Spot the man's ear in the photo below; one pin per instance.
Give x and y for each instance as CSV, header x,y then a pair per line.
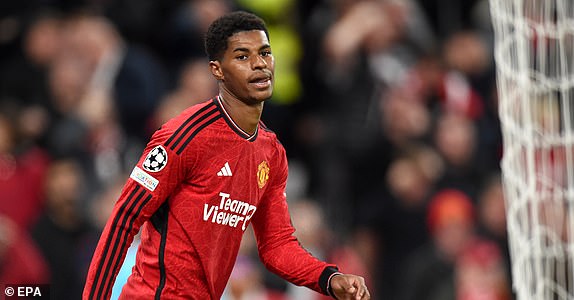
x,y
215,68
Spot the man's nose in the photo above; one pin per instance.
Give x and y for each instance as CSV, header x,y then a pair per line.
x,y
259,62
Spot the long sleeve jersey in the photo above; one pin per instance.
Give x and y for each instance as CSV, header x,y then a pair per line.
x,y
199,183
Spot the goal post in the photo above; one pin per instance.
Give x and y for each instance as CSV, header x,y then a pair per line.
x,y
534,55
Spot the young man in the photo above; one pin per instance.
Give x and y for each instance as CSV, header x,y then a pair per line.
x,y
204,177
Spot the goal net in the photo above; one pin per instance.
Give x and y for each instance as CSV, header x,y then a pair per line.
x,y
534,55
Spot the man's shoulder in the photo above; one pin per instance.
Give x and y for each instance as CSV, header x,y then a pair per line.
x,y
195,112
267,132
179,131
269,137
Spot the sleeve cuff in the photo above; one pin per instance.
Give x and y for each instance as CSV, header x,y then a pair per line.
x,y
325,279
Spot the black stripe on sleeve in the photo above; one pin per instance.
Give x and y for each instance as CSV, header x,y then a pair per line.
x,y
188,129
118,261
116,235
113,228
184,125
195,132
117,238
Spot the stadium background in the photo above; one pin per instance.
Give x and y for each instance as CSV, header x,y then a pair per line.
x,y
387,109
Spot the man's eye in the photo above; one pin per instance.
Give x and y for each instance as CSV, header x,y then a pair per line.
x,y
241,57
266,53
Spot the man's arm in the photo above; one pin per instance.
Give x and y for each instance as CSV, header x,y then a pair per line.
x,y
280,250
282,254
154,177
124,223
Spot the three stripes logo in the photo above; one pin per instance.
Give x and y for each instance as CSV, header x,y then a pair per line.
x,y
225,171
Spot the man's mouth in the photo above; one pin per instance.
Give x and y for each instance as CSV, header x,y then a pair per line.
x,y
261,82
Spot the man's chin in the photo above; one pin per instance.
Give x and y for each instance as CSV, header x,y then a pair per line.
x,y
262,96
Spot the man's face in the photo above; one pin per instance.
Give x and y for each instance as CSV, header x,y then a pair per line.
x,y
246,68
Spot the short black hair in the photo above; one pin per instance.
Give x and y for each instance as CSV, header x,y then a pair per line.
x,y
226,26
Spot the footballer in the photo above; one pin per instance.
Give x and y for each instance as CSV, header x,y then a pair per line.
x,y
204,176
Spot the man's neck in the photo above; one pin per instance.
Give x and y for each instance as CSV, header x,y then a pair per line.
x,y
246,116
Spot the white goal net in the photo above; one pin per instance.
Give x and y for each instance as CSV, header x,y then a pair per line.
x,y
534,54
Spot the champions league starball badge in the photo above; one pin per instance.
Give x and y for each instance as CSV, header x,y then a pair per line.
x,y
155,160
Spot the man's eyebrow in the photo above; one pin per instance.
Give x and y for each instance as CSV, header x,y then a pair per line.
x,y
241,49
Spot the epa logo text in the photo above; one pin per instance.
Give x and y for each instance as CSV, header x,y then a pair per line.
x,y
16,291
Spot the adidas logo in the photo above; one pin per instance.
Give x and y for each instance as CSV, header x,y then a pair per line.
x,y
225,171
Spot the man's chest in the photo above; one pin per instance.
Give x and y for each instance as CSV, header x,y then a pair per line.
x,y
227,184
241,167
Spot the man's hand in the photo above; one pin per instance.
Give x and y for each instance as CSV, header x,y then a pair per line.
x,y
349,287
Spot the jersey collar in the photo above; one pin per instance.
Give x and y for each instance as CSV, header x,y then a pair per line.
x,y
242,133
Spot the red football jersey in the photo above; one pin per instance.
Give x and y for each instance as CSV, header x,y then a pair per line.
x,y
200,182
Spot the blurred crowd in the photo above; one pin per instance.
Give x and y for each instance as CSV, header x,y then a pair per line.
x,y
387,109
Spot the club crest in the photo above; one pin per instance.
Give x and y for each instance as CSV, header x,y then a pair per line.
x,y
262,174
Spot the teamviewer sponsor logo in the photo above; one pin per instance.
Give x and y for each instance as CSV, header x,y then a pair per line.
x,y
229,212
27,291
